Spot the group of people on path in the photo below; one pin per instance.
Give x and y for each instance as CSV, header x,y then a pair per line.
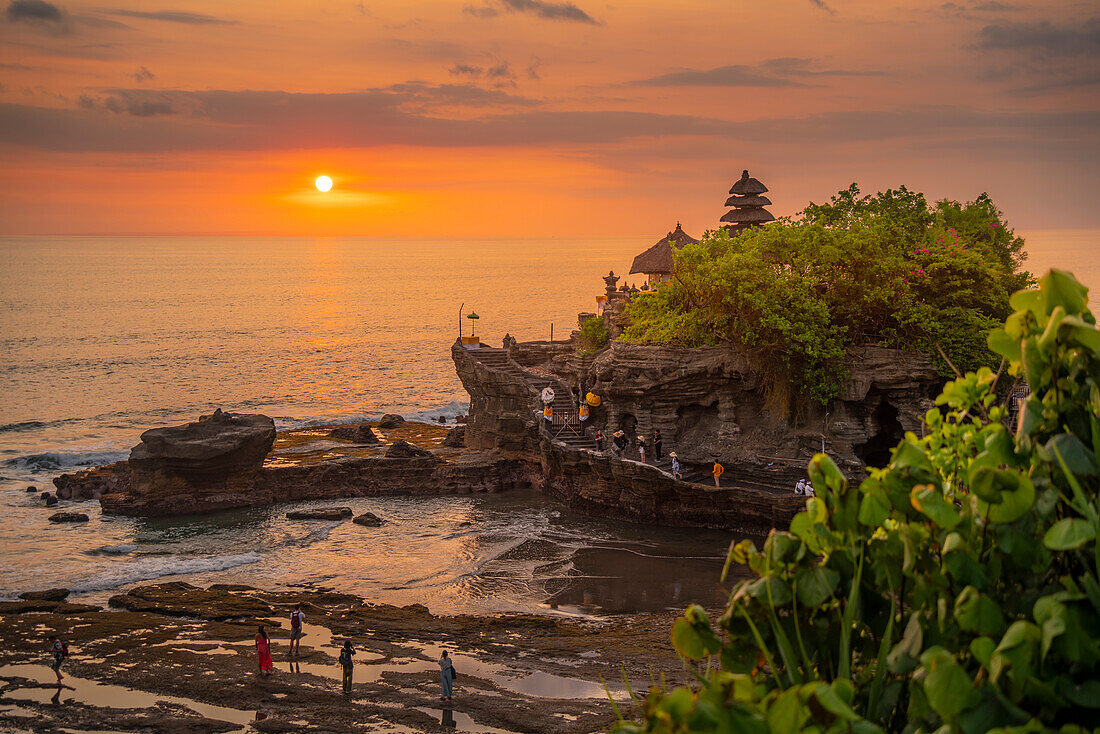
x,y
345,659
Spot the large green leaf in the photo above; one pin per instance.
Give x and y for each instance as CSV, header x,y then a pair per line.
x,y
1079,458
687,641
904,657
1069,533
947,686
1060,288
1005,345
978,613
815,584
1014,490
931,503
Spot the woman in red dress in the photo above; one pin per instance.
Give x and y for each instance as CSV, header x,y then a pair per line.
x,y
263,651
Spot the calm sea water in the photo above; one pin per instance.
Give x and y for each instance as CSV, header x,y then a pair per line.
x,y
103,338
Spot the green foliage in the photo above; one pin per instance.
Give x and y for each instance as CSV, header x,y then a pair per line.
x,y
886,269
594,335
954,590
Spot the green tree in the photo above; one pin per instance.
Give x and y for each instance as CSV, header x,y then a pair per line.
x,y
887,269
955,590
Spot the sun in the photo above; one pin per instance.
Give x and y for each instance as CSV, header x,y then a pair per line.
x,y
323,183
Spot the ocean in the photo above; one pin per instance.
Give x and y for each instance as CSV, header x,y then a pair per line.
x,y
105,337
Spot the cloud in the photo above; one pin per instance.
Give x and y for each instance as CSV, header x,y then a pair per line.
x,y
820,5
171,16
141,121
144,75
781,72
469,70
545,9
38,14
1044,38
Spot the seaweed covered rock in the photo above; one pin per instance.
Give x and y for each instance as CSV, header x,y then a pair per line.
x,y
390,420
180,599
68,517
369,519
405,450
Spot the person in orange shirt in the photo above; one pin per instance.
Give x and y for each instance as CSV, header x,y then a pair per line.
x,y
717,472
548,416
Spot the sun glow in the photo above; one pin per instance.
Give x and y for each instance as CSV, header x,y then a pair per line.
x,y
323,183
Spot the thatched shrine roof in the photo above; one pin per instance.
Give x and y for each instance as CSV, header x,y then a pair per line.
x,y
748,201
748,216
658,259
748,185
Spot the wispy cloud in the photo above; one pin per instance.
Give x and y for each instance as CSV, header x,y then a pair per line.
x,y
821,5
171,16
781,72
545,9
1043,37
38,14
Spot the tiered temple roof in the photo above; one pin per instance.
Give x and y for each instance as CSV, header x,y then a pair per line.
x,y
748,205
656,262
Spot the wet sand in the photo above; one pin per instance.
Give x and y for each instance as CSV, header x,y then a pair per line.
x,y
173,658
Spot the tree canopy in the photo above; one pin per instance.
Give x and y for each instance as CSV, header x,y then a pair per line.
x,y
887,269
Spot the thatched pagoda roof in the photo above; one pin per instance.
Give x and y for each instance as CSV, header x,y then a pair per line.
x,y
748,216
658,259
748,185
748,201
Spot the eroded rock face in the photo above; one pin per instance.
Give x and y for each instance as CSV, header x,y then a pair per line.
x,y
401,449
456,438
90,484
196,467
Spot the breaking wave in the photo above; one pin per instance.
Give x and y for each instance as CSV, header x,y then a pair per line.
x,y
57,460
149,568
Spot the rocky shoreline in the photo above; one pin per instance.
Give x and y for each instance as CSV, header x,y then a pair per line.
x,y
192,648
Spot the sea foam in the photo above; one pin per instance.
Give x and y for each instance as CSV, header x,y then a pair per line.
x,y
149,568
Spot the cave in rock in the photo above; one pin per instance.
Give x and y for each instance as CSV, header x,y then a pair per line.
x,y
888,432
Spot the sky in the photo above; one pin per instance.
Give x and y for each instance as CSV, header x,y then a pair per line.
x,y
507,118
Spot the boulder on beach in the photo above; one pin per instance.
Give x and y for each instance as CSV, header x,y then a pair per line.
x,y
32,488
404,450
369,519
196,467
68,517
456,438
50,499
91,484
45,595
390,420
320,513
358,433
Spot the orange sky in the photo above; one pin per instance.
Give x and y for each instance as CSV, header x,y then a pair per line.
x,y
533,117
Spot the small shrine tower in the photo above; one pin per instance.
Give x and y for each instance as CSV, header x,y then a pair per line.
x,y
748,206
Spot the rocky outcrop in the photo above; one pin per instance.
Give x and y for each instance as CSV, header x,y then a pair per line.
x,y
368,519
456,438
390,420
604,485
196,467
179,599
501,412
90,484
45,595
356,433
320,513
401,449
68,517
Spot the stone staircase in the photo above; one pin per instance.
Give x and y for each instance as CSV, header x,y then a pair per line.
x,y
564,405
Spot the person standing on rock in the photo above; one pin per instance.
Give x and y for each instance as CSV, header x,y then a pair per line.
x,y
717,472
675,464
656,445
296,620
346,662
641,448
446,676
59,651
263,651
620,442
599,440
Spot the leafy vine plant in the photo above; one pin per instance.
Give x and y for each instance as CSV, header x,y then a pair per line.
x,y
954,590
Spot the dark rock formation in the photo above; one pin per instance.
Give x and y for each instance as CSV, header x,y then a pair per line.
x,y
46,595
49,498
368,519
456,438
32,488
90,484
43,605
320,513
390,420
196,467
179,599
404,450
356,433
68,517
